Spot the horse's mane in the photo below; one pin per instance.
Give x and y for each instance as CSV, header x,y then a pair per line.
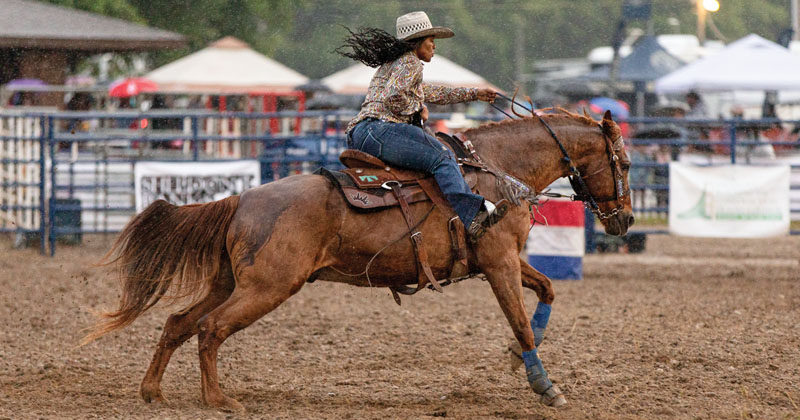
x,y
562,115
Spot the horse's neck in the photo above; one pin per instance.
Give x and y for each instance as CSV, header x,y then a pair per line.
x,y
523,149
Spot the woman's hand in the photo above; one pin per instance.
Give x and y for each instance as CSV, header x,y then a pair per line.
x,y
487,95
423,113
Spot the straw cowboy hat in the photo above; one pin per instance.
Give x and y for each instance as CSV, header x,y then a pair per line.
x,y
417,25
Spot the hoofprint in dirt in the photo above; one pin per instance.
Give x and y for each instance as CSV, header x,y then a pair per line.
x,y
693,328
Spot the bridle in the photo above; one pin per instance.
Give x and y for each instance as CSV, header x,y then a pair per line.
x,y
582,192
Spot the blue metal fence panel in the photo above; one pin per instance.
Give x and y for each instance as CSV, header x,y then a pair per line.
x,y
654,142
88,171
92,171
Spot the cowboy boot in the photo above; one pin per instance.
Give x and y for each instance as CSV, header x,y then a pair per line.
x,y
487,217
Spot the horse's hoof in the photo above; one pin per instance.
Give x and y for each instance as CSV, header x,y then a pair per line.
x,y
553,397
152,395
227,404
515,355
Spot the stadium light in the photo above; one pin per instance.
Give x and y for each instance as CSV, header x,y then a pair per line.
x,y
711,5
703,7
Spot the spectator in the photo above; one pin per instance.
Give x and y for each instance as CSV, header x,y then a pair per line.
x,y
80,101
162,102
697,108
697,111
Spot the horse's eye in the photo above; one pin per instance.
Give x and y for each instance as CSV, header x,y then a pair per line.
x,y
625,166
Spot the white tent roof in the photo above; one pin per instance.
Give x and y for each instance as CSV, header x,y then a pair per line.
x,y
440,71
750,63
226,66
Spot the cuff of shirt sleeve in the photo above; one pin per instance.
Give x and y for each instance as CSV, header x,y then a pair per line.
x,y
473,93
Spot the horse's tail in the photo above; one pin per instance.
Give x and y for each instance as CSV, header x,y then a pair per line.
x,y
166,247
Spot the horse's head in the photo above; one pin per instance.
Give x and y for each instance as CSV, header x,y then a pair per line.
x,y
603,184
523,148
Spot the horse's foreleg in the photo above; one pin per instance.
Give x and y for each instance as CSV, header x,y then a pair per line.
x,y
253,298
538,282
541,284
179,327
507,287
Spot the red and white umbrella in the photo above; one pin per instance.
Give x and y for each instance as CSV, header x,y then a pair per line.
x,y
131,87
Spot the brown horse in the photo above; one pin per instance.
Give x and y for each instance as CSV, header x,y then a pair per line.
x,y
241,257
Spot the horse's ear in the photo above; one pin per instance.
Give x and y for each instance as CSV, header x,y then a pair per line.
x,y
607,122
609,125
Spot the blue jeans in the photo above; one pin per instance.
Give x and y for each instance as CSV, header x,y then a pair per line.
x,y
408,146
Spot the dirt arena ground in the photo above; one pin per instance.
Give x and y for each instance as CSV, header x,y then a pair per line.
x,y
694,329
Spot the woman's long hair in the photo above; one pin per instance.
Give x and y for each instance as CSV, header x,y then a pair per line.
x,y
374,47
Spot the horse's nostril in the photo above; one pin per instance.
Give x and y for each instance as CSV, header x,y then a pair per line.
x,y
631,220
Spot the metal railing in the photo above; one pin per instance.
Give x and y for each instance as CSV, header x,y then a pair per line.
x,y
654,142
66,174
22,192
92,168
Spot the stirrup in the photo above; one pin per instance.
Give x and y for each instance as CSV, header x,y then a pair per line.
x,y
483,220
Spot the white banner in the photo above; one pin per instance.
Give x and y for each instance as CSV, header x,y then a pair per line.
x,y
193,182
728,201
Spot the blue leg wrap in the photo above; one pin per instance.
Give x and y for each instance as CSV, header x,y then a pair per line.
x,y
537,376
539,322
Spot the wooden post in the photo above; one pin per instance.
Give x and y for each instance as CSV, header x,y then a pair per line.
x,y
5,175
19,132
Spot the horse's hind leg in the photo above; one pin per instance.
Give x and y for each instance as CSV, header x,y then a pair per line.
x,y
255,296
181,326
506,283
541,284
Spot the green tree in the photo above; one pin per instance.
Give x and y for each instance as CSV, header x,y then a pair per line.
x,y
302,33
121,9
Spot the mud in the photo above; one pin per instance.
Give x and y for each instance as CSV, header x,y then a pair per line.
x,y
689,329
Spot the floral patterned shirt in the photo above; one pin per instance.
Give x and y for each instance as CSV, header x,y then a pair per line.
x,y
396,92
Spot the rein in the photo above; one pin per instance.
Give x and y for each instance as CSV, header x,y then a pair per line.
x,y
512,100
582,192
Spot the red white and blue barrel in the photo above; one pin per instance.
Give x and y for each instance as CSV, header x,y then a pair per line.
x,y
556,249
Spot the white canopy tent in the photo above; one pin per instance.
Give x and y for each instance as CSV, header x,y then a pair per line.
x,y
440,71
226,66
750,63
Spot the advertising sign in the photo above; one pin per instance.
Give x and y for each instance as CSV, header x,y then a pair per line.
x,y
729,201
193,182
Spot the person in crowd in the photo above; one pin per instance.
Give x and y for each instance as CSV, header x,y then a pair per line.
x,y
697,131
389,125
164,102
697,108
80,101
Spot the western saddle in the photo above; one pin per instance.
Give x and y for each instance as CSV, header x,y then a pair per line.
x,y
369,183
